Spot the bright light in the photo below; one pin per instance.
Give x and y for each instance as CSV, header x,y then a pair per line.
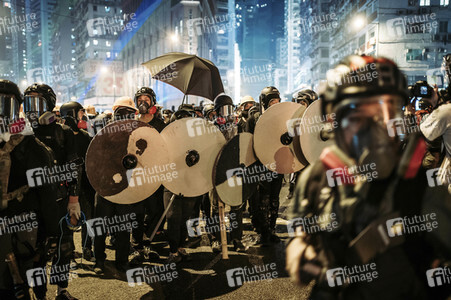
x,y
103,69
174,38
358,22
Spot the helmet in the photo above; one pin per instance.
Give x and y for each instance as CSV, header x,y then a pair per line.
x,y
90,110
10,88
223,105
246,99
9,106
43,90
267,94
71,109
222,100
361,76
307,96
124,102
208,108
147,91
365,94
184,111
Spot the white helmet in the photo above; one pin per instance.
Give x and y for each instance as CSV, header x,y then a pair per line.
x,y
124,101
246,99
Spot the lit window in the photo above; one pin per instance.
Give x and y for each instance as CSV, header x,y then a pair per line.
x,y
87,44
95,42
108,54
444,2
108,43
425,2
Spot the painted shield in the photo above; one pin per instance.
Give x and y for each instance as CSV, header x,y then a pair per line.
x,y
127,161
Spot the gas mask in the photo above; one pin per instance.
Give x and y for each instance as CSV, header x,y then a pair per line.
x,y
366,132
145,108
71,122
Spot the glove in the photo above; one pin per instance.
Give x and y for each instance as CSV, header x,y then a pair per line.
x,y
73,207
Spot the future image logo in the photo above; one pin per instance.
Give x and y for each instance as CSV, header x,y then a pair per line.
x,y
238,276
197,127
411,224
354,274
438,177
152,274
407,25
252,174
438,276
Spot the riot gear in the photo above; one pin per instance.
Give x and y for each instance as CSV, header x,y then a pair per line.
x,y
146,91
267,94
361,76
305,97
70,114
46,92
144,107
124,108
10,100
208,110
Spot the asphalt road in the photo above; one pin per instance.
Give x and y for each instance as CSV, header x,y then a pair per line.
x,y
204,277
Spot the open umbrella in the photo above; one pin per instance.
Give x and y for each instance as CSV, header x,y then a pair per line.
x,y
189,73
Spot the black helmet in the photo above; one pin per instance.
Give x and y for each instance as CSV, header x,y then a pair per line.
x,y
223,106
148,92
362,76
45,91
307,96
267,94
10,88
9,106
71,109
221,101
184,111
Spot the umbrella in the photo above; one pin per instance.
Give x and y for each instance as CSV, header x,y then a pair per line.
x,y
189,73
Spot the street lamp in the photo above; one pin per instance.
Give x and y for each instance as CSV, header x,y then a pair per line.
x,y
359,22
174,38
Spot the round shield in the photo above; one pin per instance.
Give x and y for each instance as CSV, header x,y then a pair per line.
x,y
229,172
274,134
193,145
127,161
314,132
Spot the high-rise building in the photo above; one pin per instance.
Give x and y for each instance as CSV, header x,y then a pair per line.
x,y
172,26
13,30
415,34
98,27
261,27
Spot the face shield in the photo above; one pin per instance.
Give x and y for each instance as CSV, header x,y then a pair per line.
x,y
35,104
226,111
9,111
370,130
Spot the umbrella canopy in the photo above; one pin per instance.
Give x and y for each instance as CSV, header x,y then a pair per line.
x,y
189,73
